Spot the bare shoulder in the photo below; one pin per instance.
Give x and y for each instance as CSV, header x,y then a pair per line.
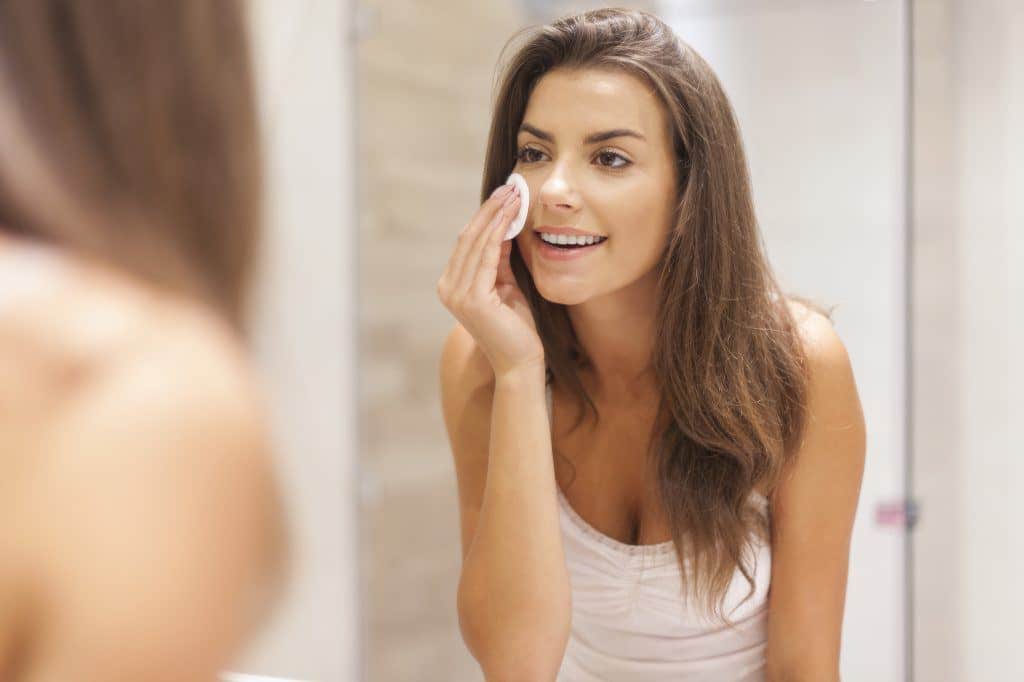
x,y
822,343
146,488
96,343
810,320
833,400
87,322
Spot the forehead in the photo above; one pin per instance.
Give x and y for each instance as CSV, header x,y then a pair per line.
x,y
573,102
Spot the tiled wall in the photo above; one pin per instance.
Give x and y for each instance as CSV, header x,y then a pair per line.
x,y
424,76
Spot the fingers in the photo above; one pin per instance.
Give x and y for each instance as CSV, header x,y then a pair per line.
x,y
453,278
487,249
493,204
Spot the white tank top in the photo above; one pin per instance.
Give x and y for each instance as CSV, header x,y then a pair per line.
x,y
630,622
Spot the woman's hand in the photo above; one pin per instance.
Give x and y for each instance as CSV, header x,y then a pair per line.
x,y
479,289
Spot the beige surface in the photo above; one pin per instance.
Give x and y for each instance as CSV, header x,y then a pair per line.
x,y
937,611
425,84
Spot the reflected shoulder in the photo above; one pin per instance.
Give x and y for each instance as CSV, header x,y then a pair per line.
x,y
141,473
167,493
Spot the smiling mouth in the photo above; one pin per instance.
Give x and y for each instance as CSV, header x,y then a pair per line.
x,y
569,247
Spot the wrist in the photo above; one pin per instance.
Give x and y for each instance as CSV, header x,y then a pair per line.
x,y
529,373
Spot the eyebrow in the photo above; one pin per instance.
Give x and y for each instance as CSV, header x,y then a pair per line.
x,y
593,138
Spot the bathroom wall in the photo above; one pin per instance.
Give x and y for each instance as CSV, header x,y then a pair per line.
x,y
969,327
990,220
424,84
937,546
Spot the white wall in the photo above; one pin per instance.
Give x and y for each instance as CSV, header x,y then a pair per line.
x,y
969,326
990,158
304,332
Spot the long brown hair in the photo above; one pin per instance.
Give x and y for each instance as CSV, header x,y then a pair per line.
x,y
128,135
728,359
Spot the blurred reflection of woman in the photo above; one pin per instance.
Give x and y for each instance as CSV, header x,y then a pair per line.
x,y
726,443
142,530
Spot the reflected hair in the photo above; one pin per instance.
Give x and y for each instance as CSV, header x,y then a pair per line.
x,y
128,136
728,358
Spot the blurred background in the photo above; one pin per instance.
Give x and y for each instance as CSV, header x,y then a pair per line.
x,y
887,177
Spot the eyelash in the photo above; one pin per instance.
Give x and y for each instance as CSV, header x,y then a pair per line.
x,y
524,149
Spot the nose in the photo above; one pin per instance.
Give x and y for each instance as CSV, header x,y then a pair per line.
x,y
556,192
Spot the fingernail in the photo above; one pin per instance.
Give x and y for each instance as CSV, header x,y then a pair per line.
x,y
501,190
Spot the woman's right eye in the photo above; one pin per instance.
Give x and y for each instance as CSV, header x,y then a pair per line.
x,y
523,154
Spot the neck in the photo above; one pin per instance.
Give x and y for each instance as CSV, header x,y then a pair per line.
x,y
617,334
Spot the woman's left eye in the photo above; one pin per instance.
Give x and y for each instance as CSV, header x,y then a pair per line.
x,y
609,155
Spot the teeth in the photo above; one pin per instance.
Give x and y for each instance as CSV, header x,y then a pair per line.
x,y
569,239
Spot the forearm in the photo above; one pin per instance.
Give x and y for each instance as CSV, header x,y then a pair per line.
x,y
514,595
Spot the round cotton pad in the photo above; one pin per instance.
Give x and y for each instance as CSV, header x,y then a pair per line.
x,y
516,226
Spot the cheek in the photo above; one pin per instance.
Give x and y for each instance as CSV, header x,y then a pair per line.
x,y
659,207
642,217
641,239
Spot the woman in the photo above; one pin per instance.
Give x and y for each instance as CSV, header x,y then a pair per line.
x,y
726,448
143,530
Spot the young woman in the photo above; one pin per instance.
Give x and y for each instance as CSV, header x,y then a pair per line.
x,y
697,527
141,526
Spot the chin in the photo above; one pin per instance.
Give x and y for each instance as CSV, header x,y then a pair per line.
x,y
563,295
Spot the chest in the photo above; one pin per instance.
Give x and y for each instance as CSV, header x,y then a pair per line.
x,y
605,472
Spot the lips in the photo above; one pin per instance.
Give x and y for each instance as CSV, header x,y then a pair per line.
x,y
554,253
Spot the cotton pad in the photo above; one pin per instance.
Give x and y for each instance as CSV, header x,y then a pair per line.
x,y
516,226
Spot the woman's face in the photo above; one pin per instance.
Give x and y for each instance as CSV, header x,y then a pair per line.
x,y
596,152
